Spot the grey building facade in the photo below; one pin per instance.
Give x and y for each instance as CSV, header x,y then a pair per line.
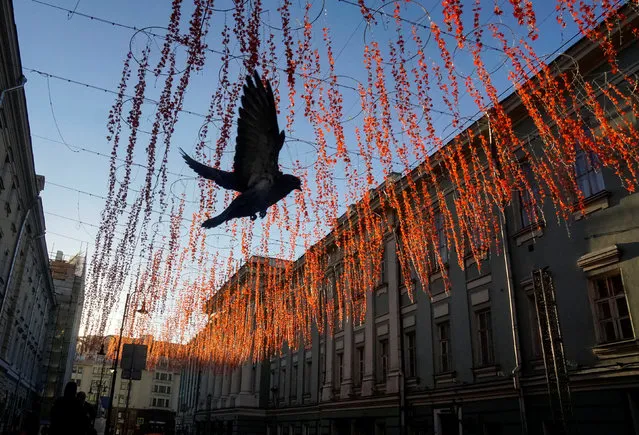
x,y
540,340
27,299
68,278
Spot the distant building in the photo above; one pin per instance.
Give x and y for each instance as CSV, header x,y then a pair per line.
x,y
152,401
68,278
27,297
541,340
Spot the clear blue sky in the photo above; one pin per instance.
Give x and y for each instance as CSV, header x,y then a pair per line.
x,y
87,51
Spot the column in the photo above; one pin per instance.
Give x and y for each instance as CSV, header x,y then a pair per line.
x,y
217,391
327,388
368,380
226,387
394,362
346,389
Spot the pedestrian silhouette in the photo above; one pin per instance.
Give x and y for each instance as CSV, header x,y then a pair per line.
x,y
67,414
89,411
31,423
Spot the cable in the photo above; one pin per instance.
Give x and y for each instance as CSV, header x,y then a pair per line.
x,y
98,88
55,121
98,153
183,219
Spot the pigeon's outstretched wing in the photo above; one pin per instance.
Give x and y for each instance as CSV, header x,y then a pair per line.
x,y
259,139
224,179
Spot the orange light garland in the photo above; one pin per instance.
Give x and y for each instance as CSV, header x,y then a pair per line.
x,y
204,305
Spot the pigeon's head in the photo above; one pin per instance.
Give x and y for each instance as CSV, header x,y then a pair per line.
x,y
291,182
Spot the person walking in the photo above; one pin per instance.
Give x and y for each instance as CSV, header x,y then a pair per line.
x,y
67,415
89,412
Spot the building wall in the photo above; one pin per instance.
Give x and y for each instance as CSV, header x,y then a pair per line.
x,y
494,378
153,385
27,298
68,277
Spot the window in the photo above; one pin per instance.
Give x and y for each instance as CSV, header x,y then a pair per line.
x,y
611,309
322,366
382,267
359,368
273,386
339,368
410,364
307,376
484,336
294,380
444,363
528,214
534,326
282,382
79,383
383,359
588,173
440,229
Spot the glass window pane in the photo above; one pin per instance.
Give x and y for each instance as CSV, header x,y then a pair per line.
x,y
622,307
616,286
609,331
604,310
626,328
601,290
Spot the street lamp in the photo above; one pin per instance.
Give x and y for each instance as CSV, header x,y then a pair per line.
x,y
22,81
142,310
101,353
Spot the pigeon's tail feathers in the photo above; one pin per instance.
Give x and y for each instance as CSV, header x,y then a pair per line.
x,y
224,179
214,222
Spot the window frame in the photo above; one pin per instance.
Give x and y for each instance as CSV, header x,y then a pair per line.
x,y
360,365
410,362
484,357
439,355
589,171
383,358
611,300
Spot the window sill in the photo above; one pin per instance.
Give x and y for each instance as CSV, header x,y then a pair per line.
x,y
412,382
486,371
617,349
446,378
596,202
381,289
528,233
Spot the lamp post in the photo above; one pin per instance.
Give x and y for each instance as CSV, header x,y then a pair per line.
x,y
107,427
102,354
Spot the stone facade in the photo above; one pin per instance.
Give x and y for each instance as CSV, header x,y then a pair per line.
x,y
68,278
541,338
153,400
27,298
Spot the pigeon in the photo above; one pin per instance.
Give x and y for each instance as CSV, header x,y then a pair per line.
x,y
256,174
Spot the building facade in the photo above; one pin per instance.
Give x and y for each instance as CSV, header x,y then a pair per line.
x,y
68,278
541,340
27,298
152,401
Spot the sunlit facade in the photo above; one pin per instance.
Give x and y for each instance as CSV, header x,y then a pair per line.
x,y
537,335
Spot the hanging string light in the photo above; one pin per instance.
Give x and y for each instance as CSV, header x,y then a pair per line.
x,y
226,307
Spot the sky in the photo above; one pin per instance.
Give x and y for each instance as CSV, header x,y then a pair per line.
x,y
62,52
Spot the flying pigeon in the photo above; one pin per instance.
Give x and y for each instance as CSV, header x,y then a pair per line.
x,y
256,174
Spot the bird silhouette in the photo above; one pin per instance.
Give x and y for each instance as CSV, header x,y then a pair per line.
x,y
256,174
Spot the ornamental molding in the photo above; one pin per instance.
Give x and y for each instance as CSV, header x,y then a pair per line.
x,y
600,258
